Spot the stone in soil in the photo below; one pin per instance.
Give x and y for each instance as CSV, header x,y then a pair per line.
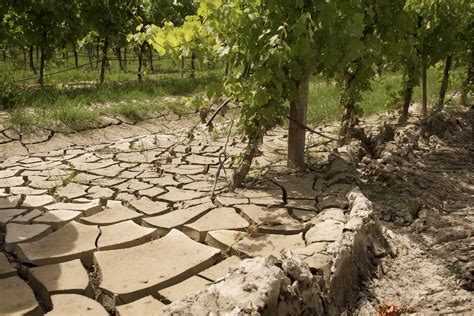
x,y
57,218
74,304
179,291
222,268
328,230
148,306
89,163
244,245
17,298
124,235
263,197
7,215
98,192
27,191
336,214
151,192
298,187
111,171
62,278
307,205
28,217
87,208
157,264
304,215
149,207
134,185
202,160
6,269
167,180
7,173
332,201
177,218
316,257
20,233
133,157
11,182
177,195
72,190
72,241
272,220
185,169
217,219
40,182
9,201
229,199
115,212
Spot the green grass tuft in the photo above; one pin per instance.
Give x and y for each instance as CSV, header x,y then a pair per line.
x,y
132,112
75,118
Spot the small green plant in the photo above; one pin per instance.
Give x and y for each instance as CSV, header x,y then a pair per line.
x,y
52,190
133,112
69,178
75,118
21,120
453,270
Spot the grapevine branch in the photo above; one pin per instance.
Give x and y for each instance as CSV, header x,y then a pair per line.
x,y
217,112
309,129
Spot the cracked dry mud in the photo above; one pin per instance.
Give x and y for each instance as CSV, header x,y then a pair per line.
x,y
120,220
132,211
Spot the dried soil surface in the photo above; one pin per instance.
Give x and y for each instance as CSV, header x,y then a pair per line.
x,y
422,186
104,196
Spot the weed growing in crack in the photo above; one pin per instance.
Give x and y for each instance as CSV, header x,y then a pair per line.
x,y
454,270
69,178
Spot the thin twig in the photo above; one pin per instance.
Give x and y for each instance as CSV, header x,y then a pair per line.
x,y
223,155
309,129
217,112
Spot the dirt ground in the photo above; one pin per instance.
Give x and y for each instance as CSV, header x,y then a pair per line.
x,y
419,178
422,187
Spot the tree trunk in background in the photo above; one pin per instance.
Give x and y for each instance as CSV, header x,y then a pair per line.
x,y
150,58
125,56
182,67
76,58
347,102
97,54
4,53
41,77
119,57
23,50
407,95
37,53
468,83
104,61
64,52
32,64
424,95
89,53
444,82
140,62
193,65
296,132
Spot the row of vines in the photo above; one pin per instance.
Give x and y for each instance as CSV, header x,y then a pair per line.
x,y
272,47
95,28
